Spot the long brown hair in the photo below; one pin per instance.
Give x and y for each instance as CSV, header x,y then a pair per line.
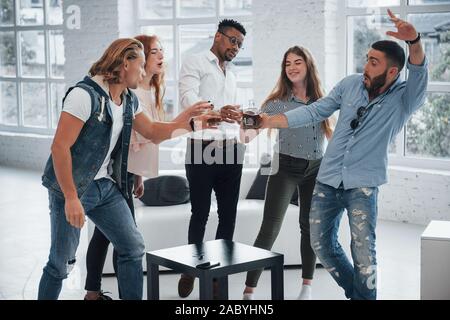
x,y
314,90
157,81
114,56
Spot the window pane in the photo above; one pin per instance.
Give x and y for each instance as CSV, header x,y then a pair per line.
x,y
165,35
57,59
413,2
8,103
243,61
31,12
244,97
57,91
33,53
54,12
362,32
7,54
197,8
169,103
428,131
372,3
6,12
156,9
434,29
34,104
196,38
237,7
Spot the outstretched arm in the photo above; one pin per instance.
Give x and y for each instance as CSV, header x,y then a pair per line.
x,y
157,131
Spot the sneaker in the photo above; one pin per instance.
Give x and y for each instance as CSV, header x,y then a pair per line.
x,y
247,296
101,296
185,285
305,293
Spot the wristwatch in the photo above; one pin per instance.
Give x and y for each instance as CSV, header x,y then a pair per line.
x,y
191,123
410,42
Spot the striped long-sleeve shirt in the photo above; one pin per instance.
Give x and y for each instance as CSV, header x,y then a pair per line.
x,y
303,142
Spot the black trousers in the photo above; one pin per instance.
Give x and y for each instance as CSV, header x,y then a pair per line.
x,y
97,251
223,175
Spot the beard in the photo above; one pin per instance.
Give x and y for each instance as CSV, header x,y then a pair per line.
x,y
227,58
376,83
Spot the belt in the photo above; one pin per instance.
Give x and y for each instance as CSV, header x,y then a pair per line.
x,y
217,143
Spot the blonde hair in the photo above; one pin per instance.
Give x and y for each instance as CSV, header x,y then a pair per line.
x,y
313,86
114,56
157,81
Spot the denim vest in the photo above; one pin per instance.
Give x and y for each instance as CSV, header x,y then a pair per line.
x,y
90,149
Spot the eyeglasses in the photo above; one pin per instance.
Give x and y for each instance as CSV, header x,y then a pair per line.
x,y
359,114
233,40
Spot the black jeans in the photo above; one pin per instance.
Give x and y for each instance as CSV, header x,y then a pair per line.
x,y
224,177
97,251
293,173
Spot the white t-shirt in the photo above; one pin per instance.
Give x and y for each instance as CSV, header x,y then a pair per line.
x,y
78,104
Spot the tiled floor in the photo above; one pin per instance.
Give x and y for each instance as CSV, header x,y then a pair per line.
x,y
25,237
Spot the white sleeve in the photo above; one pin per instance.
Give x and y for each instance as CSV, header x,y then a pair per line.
x,y
189,84
139,108
78,104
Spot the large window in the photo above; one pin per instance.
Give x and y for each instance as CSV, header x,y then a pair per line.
x,y
188,26
31,65
425,140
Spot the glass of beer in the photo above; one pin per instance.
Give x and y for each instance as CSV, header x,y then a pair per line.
x,y
217,118
251,118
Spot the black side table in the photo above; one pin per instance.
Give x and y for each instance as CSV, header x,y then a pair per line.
x,y
234,257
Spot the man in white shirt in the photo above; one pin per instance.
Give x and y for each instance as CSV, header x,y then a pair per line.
x,y
214,157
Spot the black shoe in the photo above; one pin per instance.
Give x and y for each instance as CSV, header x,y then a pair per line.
x,y
216,290
102,296
185,285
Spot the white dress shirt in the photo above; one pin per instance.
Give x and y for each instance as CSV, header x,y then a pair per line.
x,y
201,78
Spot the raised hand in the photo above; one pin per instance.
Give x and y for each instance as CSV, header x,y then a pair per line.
x,y
405,30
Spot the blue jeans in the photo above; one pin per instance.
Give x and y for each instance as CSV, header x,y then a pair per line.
x,y
328,204
106,207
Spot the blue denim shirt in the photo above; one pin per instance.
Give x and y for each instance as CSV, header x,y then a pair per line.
x,y
358,158
91,147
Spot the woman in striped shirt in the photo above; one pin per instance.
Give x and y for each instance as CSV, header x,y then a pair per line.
x,y
297,156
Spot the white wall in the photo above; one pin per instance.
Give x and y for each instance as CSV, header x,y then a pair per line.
x,y
99,26
279,25
416,196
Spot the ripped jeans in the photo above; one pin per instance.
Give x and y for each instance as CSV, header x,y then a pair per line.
x,y
328,204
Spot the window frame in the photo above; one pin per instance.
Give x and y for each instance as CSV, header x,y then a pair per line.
x,y
399,158
176,22
19,79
